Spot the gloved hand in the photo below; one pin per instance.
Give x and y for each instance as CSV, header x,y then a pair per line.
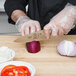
x,y
62,23
25,25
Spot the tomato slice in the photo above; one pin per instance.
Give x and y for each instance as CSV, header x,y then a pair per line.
x,y
19,71
16,71
27,72
8,66
8,72
12,70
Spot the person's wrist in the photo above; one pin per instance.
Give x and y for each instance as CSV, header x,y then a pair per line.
x,y
21,20
73,13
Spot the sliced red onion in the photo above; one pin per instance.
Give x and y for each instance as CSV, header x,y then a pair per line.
x,y
33,47
67,48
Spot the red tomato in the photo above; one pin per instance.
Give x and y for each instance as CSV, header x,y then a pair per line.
x,y
8,66
19,71
27,72
8,72
12,70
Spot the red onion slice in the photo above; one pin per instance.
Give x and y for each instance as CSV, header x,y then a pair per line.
x,y
67,48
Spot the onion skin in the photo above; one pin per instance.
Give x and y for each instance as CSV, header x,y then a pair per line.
x,y
67,48
33,47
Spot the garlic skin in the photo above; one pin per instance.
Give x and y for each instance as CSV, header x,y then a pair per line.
x,y
67,48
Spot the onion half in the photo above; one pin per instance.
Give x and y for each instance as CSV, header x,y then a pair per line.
x,y
67,48
33,47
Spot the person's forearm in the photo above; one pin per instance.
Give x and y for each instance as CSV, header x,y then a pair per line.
x,y
16,14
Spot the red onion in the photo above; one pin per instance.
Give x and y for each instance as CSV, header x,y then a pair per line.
x,y
33,47
67,48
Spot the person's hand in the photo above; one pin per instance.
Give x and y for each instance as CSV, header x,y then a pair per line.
x,y
25,25
62,23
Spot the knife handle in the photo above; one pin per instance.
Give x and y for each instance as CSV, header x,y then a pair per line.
x,y
39,35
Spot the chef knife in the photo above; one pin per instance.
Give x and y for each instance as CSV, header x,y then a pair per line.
x,y
37,36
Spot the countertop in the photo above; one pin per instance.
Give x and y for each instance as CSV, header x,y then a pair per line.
x,y
48,62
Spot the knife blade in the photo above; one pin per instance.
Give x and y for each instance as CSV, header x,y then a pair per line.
x,y
37,36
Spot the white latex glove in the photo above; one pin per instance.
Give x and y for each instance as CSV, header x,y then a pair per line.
x,y
62,23
25,25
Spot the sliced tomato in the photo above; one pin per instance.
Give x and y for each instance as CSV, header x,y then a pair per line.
x,y
16,71
8,72
27,72
12,70
8,66
19,71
